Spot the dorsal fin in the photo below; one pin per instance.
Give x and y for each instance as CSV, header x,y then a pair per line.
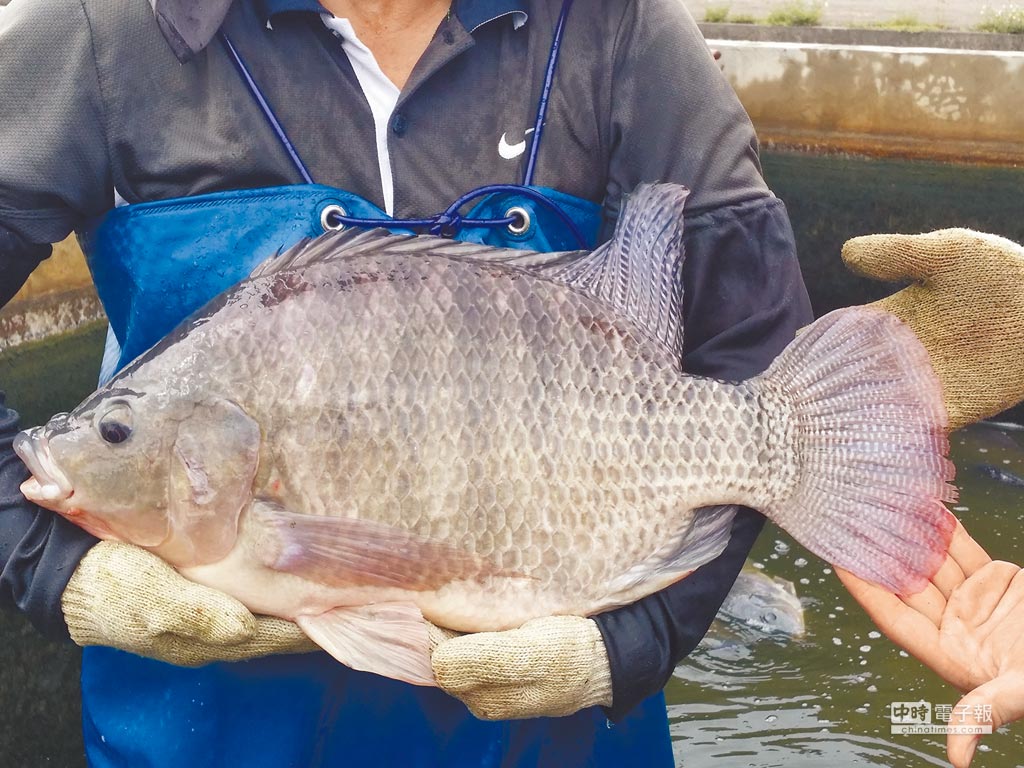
x,y
345,244
639,272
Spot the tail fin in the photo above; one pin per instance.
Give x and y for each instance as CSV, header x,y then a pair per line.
x,y
868,427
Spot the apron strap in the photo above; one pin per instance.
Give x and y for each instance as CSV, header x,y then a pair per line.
x,y
268,111
545,94
449,222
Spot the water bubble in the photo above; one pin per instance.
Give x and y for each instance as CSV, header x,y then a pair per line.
x,y
983,450
771,719
961,509
861,710
840,608
759,566
984,748
805,581
904,654
781,547
865,648
831,615
863,662
874,635
826,571
800,562
836,641
773,556
872,688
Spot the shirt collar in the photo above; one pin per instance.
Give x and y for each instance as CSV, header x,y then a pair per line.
x,y
472,13
268,9
475,13
190,25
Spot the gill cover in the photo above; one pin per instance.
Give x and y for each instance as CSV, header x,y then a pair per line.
x,y
212,465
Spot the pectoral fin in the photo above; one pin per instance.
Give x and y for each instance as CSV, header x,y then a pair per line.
x,y
387,639
345,551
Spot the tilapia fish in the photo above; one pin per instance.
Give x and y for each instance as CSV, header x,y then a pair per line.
x,y
373,429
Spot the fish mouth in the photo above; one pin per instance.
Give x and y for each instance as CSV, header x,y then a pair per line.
x,y
48,486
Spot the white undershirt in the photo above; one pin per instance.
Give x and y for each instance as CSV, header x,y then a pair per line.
x,y
380,92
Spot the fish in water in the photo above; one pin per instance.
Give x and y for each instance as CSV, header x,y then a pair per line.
x,y
372,429
1000,475
768,604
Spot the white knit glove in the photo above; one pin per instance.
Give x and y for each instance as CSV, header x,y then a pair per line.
x,y
549,667
124,597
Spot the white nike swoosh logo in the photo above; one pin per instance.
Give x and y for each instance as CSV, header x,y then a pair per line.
x,y
512,151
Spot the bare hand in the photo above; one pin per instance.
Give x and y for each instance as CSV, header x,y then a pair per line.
x,y
967,626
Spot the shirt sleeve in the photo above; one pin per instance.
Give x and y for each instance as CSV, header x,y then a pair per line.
x,y
675,118
39,550
54,169
54,173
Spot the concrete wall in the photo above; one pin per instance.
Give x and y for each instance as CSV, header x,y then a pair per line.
x,y
57,298
921,103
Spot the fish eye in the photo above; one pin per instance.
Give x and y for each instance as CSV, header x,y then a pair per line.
x,y
115,425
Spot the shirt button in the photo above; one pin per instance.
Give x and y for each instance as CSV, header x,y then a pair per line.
x,y
399,124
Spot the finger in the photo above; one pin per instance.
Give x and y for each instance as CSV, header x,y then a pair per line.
x,y
929,602
967,553
948,577
205,615
901,623
974,601
918,257
438,635
1012,598
995,703
892,257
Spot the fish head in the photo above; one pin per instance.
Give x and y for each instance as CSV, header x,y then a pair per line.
x,y
167,473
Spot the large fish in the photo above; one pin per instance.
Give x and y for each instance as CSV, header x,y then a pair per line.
x,y
374,429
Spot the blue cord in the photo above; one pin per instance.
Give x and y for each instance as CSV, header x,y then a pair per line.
x,y
268,111
449,222
545,95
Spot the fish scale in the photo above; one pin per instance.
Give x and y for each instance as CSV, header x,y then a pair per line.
x,y
372,430
392,468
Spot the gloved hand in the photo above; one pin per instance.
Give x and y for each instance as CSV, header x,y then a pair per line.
x,y
966,306
548,667
124,597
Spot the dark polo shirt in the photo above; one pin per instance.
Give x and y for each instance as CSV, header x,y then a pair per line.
x,y
96,95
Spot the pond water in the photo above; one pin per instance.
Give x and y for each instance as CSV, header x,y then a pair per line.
x,y
820,700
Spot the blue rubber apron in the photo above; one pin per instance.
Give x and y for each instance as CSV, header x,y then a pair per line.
x,y
155,263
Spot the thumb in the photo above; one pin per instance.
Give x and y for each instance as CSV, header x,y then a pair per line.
x,y
906,257
995,703
200,613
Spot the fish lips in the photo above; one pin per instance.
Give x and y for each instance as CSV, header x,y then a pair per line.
x,y
48,486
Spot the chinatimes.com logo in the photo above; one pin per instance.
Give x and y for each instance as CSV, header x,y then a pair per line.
x,y
920,717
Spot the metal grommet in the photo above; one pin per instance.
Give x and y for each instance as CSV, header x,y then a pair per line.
x,y
329,220
523,225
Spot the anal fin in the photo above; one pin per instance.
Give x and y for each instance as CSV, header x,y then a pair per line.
x,y
388,639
